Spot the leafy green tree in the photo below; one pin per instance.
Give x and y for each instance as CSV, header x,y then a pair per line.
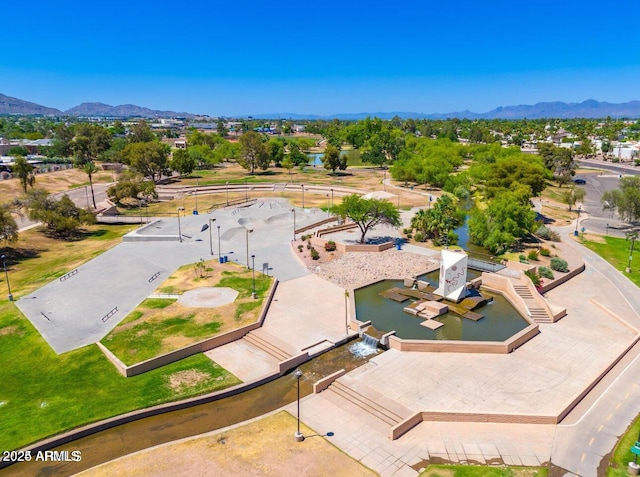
x,y
182,162
254,152
90,169
8,226
559,161
89,142
295,155
507,218
438,222
141,132
148,158
275,149
572,195
131,188
62,141
373,152
24,171
61,217
114,153
332,159
18,151
368,213
288,165
507,173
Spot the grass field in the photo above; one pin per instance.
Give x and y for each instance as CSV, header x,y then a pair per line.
x,y
616,251
44,393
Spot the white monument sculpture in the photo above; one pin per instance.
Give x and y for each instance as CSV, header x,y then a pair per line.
x,y
453,275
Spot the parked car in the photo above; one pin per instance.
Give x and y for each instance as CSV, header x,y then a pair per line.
x,y
579,181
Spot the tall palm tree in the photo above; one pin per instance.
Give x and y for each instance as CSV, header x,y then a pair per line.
x,y
90,168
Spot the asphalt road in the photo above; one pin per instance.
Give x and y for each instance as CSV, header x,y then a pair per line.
x,y
593,218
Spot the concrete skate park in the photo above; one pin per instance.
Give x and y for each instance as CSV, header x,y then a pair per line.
x,y
562,397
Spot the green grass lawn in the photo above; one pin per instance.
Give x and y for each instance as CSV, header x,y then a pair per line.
x,y
622,453
437,470
616,251
45,394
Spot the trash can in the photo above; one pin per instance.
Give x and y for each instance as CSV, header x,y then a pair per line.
x,y
225,258
195,212
575,232
398,245
220,260
633,468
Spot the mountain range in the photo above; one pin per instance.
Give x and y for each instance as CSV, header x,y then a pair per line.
x,y
556,109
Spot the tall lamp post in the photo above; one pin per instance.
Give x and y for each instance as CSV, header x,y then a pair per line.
x,y
6,275
218,240
302,186
210,238
577,221
246,191
632,236
332,198
294,223
253,275
247,232
179,226
328,207
298,436
227,193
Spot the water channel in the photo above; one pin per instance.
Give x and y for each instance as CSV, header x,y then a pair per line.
x,y
134,436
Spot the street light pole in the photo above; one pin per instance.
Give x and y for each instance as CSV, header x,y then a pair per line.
x,y
632,236
218,240
607,230
328,207
6,275
246,191
302,186
210,238
294,223
196,209
227,193
577,220
298,436
179,226
332,198
253,275
248,231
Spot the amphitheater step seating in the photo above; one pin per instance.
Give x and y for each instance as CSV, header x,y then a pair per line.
x,y
269,345
369,400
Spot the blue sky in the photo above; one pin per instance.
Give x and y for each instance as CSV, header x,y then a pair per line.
x,y
239,58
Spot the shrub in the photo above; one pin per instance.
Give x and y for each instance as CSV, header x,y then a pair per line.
x,y
534,277
407,231
300,247
420,237
523,259
532,255
547,234
545,272
315,255
559,265
409,235
543,232
330,246
308,245
545,252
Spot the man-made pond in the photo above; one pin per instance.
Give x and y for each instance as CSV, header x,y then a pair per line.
x,y
500,320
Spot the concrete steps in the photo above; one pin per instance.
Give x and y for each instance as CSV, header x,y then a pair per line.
x,y
372,402
268,345
536,312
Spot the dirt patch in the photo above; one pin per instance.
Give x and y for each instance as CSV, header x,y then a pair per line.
x,y
10,330
593,238
264,447
187,379
175,342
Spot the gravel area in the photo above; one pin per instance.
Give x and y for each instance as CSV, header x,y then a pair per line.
x,y
354,269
